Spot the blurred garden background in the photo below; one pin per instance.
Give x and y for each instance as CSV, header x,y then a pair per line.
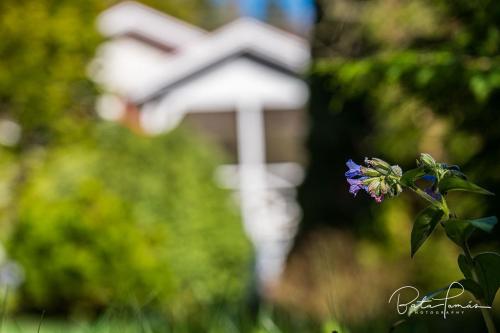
x,y
107,229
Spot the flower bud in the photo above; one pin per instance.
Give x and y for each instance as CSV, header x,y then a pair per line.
x,y
396,170
426,160
374,187
384,187
380,165
369,172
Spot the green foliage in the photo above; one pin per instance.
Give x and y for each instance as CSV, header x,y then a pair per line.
x,y
481,272
444,178
391,79
101,216
473,287
460,231
411,176
193,11
424,225
45,50
487,268
396,91
215,320
486,223
122,219
454,183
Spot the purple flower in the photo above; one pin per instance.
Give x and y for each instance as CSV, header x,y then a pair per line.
x,y
432,193
356,185
430,190
430,178
378,178
354,169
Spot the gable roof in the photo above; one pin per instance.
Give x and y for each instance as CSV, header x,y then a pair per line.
x,y
244,37
130,18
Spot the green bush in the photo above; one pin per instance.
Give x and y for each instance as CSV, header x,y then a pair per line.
x,y
44,86
128,220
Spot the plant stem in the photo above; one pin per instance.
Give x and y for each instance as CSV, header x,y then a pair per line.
x,y
424,195
488,319
441,203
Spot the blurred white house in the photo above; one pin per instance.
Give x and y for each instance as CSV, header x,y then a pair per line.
x,y
240,85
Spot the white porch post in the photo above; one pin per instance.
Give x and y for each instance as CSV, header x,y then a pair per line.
x,y
253,187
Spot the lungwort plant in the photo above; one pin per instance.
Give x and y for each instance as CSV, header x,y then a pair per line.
x,y
381,180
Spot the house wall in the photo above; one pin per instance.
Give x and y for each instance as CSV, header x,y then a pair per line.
x,y
218,127
285,133
284,130
126,63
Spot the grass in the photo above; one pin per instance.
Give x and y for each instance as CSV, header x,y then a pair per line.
x,y
32,325
264,324
220,322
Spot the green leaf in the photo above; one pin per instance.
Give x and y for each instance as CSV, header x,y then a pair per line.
x,y
487,268
433,294
465,266
457,173
485,223
410,176
424,224
472,287
455,183
459,231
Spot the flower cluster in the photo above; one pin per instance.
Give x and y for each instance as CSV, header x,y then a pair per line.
x,y
378,178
